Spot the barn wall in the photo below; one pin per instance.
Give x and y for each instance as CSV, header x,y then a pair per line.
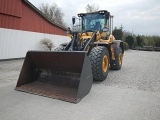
x,y
15,43
22,27
26,18
11,7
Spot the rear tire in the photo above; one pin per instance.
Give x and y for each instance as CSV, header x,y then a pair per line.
x,y
99,58
117,63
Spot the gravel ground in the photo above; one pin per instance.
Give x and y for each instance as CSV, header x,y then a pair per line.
x,y
9,71
132,93
140,71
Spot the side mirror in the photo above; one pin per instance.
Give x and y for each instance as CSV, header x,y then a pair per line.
x,y
73,20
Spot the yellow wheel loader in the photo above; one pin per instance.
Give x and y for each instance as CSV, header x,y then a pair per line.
x,y
67,72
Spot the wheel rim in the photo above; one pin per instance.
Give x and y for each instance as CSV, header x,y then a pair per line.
x,y
105,63
120,58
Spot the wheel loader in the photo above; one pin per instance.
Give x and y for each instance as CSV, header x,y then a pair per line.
x,y
67,73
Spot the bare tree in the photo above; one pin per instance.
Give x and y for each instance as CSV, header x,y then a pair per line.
x,y
53,12
47,43
92,8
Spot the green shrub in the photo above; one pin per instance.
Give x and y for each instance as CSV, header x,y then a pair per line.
x,y
125,45
130,41
157,41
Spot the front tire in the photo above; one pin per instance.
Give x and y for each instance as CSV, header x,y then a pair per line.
x,y
99,58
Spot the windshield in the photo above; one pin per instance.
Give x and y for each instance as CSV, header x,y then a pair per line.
x,y
93,22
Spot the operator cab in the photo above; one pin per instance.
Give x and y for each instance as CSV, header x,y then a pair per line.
x,y
95,21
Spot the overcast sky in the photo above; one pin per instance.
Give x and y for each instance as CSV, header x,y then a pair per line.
x,y
137,16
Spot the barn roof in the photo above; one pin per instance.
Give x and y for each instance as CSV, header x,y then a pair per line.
x,y
42,14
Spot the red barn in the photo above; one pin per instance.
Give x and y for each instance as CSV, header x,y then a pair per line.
x,y
23,26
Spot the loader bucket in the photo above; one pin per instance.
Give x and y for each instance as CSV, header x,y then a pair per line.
x,y
60,75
